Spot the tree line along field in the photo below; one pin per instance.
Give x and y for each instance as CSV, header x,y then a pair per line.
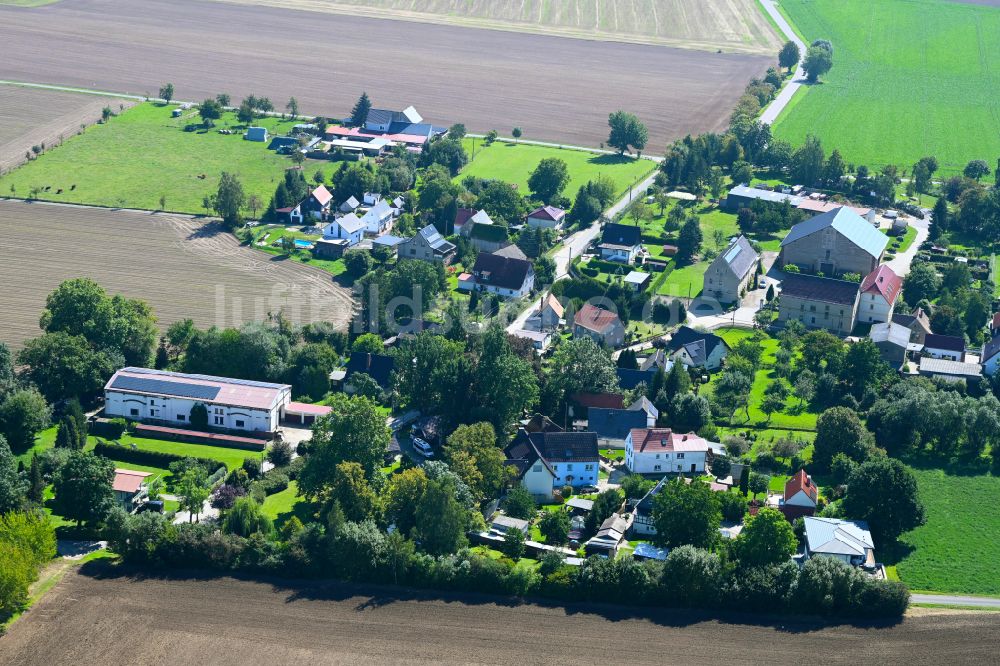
x,y
730,25
514,162
35,116
182,267
556,89
145,153
910,78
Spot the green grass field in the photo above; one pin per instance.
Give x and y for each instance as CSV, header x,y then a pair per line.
x,y
910,78
957,550
145,153
513,163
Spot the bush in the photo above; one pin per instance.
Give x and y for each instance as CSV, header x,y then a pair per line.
x,y
252,467
116,451
567,491
280,454
272,482
519,503
115,427
733,506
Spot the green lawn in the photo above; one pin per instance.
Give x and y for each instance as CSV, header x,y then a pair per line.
x,y
271,234
957,550
907,240
686,282
513,163
910,78
231,458
145,153
279,507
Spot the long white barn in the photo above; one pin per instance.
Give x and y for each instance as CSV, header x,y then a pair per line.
x,y
143,394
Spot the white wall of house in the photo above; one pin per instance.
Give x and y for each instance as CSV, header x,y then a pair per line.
x,y
874,308
524,290
618,254
538,480
663,462
168,409
934,352
542,223
713,362
800,499
334,231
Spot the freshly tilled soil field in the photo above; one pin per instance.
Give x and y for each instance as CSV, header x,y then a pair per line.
x,y
183,267
112,618
555,88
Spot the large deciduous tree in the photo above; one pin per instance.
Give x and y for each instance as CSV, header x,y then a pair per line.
x,y
818,61
354,431
839,430
83,489
686,514
788,56
549,179
627,132
883,492
766,539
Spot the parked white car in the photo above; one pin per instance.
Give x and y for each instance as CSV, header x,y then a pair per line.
x,y
422,447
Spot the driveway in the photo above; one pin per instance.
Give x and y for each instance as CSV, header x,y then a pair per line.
x,y
901,263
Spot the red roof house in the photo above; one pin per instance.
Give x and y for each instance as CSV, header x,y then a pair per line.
x,y
801,495
603,326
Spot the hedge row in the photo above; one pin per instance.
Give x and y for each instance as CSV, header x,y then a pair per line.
x,y
161,459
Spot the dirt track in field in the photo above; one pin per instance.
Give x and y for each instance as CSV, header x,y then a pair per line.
x,y
555,88
34,116
125,620
181,266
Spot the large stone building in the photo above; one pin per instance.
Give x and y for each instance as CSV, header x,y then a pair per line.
x,y
819,302
729,276
833,244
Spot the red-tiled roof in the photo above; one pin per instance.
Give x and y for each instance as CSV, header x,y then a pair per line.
x,y
211,436
665,439
322,195
129,481
553,302
882,281
463,215
594,318
800,481
996,320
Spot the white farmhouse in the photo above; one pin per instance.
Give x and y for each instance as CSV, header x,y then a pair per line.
x,y
878,295
662,451
142,394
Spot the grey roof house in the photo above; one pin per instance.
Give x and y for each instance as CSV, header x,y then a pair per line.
x,y
732,272
819,302
427,245
696,349
837,242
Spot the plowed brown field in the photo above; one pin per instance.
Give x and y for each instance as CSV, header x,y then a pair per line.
x,y
555,88
124,620
181,266
34,116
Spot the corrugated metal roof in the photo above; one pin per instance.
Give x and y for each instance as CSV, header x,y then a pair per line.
x,y
849,224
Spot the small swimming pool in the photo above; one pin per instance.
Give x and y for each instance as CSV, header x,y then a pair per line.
x,y
303,244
